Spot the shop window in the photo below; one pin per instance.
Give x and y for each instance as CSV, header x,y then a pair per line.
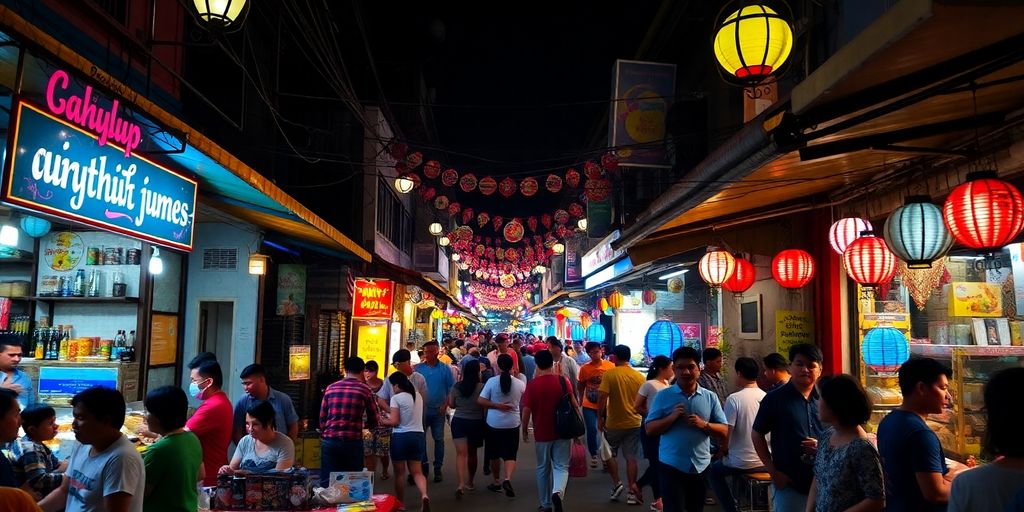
x,y
963,312
393,221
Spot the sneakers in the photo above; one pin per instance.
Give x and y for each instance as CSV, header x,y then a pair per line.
x,y
556,502
494,487
438,477
507,486
710,501
656,505
593,462
616,492
634,499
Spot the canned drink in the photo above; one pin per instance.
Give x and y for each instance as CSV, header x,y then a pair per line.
x,y
93,256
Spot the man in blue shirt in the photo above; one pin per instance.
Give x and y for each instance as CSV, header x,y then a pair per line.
x,y
439,382
254,382
685,415
14,378
915,466
790,415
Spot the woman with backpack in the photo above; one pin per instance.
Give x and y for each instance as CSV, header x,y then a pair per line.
x,y
501,397
467,425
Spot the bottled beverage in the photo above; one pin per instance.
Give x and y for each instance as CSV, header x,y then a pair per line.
x,y
78,289
53,339
39,350
129,351
120,342
65,340
94,283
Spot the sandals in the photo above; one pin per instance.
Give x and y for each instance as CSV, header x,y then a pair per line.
x,y
459,493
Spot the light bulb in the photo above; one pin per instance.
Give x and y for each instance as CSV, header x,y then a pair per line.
x,y
443,241
404,185
156,265
9,235
582,224
456,257
435,228
558,248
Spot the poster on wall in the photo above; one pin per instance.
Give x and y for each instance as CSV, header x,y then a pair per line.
x,y
692,335
163,339
792,328
298,362
714,336
372,341
291,289
1018,275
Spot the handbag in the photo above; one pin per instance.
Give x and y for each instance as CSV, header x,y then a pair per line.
x,y
578,461
568,422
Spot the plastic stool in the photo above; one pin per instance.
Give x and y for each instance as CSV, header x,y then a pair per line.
x,y
755,488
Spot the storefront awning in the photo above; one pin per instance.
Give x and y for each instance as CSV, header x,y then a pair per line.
x,y
223,178
889,96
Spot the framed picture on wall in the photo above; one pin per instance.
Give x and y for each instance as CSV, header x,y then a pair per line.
x,y
750,318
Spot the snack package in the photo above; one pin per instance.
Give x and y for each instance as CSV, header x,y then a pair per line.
x,y
352,486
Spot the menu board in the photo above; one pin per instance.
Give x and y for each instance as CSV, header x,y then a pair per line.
x,y
163,344
57,384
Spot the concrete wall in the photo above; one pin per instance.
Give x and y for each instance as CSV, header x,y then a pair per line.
x,y
239,287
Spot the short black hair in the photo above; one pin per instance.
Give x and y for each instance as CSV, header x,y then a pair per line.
x,y
811,352
263,412
199,358
102,402
685,353
372,366
551,340
35,414
1004,414
210,369
8,401
354,365
846,398
544,359
622,352
401,356
711,353
253,370
169,405
591,345
7,342
776,361
747,367
921,369
430,344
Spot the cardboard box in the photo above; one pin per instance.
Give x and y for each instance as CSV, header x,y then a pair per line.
x,y
975,300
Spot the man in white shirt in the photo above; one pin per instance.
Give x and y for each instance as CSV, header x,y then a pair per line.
x,y
740,457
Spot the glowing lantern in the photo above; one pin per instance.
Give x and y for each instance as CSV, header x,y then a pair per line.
x,y
793,268
752,43
916,234
716,267
869,261
435,228
603,304
845,231
985,213
662,338
596,333
615,300
34,226
742,278
650,297
885,349
576,332
585,320
437,314
675,285
404,184
220,13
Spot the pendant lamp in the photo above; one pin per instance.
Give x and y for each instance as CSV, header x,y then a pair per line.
x,y
742,278
844,231
985,213
869,261
915,233
716,267
793,268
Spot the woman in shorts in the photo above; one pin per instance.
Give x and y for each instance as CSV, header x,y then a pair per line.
x,y
467,425
501,397
408,445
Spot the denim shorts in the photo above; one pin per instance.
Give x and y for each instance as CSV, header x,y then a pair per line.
x,y
408,446
470,430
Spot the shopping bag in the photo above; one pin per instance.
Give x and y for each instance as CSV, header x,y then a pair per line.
x,y
578,461
352,486
606,449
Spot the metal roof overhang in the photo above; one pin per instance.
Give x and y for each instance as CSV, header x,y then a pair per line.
x,y
900,89
224,180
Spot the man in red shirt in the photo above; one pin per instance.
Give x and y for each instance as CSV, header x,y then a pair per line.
x,y
540,402
211,422
345,404
504,347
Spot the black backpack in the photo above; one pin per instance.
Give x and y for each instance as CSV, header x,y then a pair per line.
x,y
568,422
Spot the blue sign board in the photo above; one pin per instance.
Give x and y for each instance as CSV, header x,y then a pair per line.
x,y
58,168
56,380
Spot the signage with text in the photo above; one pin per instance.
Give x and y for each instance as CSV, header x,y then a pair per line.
x,y
602,254
57,167
792,328
373,298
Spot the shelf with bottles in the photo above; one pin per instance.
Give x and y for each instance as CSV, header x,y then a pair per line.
x,y
58,344
124,300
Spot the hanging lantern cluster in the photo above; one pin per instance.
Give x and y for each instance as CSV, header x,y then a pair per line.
x,y
742,278
716,267
793,268
915,233
985,213
869,261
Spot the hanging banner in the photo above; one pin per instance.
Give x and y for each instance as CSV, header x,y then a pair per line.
x,y
59,168
374,299
291,289
298,362
642,94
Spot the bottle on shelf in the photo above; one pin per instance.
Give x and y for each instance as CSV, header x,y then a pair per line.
x,y
78,289
129,353
120,344
39,339
65,339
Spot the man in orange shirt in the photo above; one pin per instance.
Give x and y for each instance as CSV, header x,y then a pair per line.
x,y
590,381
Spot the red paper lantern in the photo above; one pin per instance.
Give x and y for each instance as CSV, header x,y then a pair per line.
x,y
869,261
845,231
650,297
716,267
793,268
985,213
742,278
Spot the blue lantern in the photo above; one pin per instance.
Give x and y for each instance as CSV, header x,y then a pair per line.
x,y
576,332
885,349
596,333
663,338
34,226
916,232
551,330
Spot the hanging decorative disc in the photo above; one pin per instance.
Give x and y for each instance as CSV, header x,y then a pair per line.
x,y
482,219
545,220
450,177
553,183
479,249
572,178
500,253
592,170
468,182
532,223
528,187
561,216
609,161
464,233
428,194
441,203
414,160
467,215
512,255
507,187
514,231
507,280
431,169
454,209
576,210
487,185
598,189
498,222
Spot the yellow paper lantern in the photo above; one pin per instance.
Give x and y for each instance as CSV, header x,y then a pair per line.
x,y
437,314
615,300
752,43
603,304
585,320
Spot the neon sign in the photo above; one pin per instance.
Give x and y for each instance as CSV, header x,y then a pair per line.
x,y
83,111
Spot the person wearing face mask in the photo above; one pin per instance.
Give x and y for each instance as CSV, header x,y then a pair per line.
x,y
211,422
